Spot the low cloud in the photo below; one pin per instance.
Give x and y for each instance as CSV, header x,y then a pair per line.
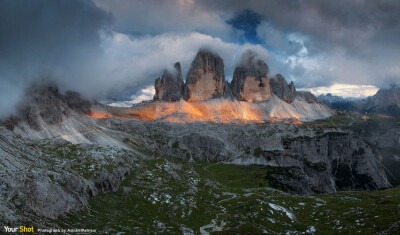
x,y
136,62
345,90
44,38
117,48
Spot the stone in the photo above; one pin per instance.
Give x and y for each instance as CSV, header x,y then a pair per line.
x,y
281,89
206,78
308,97
386,101
169,86
251,81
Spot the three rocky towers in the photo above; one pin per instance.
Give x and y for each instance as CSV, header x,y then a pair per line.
x,y
206,80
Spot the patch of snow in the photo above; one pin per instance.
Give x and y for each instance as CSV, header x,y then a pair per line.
x,y
283,209
311,229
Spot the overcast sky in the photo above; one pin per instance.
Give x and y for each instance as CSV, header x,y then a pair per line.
x,y
114,49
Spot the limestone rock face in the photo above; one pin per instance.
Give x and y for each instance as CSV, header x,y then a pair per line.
x,y
281,89
251,81
385,101
308,97
228,92
169,86
46,104
206,78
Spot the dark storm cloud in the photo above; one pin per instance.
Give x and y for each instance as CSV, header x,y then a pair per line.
x,y
353,34
314,42
46,38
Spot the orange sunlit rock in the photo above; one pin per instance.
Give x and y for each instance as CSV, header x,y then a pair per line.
x,y
215,110
99,115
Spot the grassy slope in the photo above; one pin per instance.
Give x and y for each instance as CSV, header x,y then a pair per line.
x,y
230,198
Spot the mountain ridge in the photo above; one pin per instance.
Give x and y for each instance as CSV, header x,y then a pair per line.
x,y
386,102
252,87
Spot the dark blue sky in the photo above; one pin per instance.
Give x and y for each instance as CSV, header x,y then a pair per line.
x,y
247,21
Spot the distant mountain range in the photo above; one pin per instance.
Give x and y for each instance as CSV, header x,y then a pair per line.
x,y
385,101
338,102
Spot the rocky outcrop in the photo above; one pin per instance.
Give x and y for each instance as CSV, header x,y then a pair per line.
x,y
228,94
169,87
281,89
385,101
206,78
48,105
45,185
300,159
338,102
251,81
308,97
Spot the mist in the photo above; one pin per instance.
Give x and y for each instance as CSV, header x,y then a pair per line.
x,y
115,49
48,39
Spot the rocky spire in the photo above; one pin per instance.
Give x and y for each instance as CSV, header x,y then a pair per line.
x,y
206,78
281,89
251,80
169,86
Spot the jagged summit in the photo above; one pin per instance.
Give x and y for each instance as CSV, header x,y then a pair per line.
x,y
169,86
253,95
206,78
47,105
385,101
251,82
282,89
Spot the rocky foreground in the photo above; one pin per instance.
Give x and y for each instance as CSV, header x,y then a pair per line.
x,y
197,177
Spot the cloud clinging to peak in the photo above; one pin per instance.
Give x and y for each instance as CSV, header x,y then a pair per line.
x,y
116,48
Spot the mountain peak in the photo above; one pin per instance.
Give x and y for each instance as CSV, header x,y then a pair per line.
x,y
169,86
206,78
251,80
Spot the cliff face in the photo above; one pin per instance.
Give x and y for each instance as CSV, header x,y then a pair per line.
x,y
169,86
308,97
206,78
385,101
281,89
302,159
251,81
252,96
46,105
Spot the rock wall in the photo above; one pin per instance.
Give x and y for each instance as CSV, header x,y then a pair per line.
x,y
308,97
281,89
169,86
251,81
303,159
206,78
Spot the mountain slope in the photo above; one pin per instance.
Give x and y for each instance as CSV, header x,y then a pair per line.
x,y
225,111
385,101
338,102
174,172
